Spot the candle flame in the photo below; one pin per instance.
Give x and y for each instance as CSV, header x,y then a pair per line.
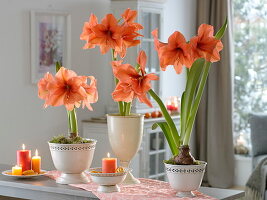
x,y
23,146
36,152
108,155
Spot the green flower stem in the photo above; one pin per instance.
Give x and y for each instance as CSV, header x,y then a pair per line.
x,y
120,104
193,113
167,117
72,123
128,107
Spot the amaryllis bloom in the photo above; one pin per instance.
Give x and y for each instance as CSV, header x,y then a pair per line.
x,y
176,52
205,45
157,43
129,16
107,34
141,60
43,85
68,89
131,83
129,31
128,37
91,91
87,31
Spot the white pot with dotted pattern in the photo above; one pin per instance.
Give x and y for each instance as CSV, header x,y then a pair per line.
x,y
72,160
185,178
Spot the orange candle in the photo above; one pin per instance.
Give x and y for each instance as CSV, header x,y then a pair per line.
x,y
109,165
36,162
17,170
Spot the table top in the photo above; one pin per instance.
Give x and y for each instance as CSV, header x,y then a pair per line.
x,y
43,188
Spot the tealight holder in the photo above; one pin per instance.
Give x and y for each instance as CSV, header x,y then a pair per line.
x,y
108,182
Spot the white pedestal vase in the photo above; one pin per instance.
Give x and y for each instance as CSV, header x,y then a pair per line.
x,y
185,178
125,137
72,160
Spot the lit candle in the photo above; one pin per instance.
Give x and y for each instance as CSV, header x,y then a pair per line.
x,y
24,158
109,165
16,170
169,105
241,140
36,162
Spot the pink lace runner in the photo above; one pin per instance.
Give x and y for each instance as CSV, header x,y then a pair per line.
x,y
148,189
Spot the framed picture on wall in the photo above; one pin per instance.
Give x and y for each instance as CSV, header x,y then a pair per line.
x,y
50,42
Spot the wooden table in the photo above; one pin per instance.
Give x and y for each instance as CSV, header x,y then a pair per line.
x,y
43,188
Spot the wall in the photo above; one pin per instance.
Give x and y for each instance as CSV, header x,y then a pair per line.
x,y
22,118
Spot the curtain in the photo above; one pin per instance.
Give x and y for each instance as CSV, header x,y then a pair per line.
x,y
214,138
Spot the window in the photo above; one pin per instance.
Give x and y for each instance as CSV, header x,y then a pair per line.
x,y
250,81
150,21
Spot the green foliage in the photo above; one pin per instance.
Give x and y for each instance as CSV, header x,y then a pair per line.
x,y
168,127
61,139
250,40
166,130
58,66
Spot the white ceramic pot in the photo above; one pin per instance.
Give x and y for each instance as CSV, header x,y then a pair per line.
x,y
108,182
72,160
125,137
185,178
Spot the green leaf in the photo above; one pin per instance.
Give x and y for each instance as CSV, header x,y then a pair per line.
x,y
196,103
189,93
167,117
183,116
168,134
220,33
58,66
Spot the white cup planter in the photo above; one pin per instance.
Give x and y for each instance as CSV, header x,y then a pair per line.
x,y
125,136
72,160
185,178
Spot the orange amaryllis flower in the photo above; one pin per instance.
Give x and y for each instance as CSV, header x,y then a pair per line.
x,y
129,16
132,84
111,34
107,34
66,88
91,91
157,43
87,31
176,52
43,85
129,33
205,45
128,37
141,60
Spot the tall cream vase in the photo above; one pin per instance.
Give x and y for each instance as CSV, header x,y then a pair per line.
x,y
125,136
